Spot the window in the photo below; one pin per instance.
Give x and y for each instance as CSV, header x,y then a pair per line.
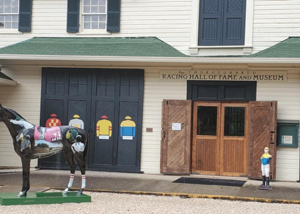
x,y
207,120
222,22
234,121
94,14
9,14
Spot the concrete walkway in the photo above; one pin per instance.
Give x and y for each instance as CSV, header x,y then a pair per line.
x,y
155,184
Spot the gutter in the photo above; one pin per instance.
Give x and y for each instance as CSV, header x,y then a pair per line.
x,y
215,60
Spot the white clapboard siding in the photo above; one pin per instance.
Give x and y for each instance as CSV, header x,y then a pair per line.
x,y
155,91
23,98
288,96
168,20
274,21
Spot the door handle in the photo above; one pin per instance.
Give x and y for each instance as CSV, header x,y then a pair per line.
x,y
272,137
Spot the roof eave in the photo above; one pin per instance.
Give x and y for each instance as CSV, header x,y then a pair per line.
x,y
7,82
195,59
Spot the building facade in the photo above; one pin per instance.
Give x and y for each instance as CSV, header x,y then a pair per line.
x,y
124,66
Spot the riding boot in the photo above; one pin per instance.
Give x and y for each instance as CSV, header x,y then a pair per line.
x,y
263,180
268,183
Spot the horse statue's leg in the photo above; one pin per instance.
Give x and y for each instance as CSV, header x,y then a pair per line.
x,y
26,174
80,157
70,159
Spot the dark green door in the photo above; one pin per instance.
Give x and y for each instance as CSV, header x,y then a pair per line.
x,y
108,103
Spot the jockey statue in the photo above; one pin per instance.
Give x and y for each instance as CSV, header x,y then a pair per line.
x,y
265,170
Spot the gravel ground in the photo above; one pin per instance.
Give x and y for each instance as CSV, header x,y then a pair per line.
x,y
125,203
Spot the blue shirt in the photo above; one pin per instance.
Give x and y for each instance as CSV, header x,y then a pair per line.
x,y
265,158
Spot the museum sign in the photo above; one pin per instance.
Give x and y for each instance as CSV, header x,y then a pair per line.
x,y
224,75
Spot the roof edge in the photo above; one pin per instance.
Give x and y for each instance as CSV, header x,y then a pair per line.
x,y
216,60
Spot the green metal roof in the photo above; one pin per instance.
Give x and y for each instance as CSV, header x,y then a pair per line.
x,y
87,46
289,48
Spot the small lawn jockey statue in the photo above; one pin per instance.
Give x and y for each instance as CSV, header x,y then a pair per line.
x,y
265,170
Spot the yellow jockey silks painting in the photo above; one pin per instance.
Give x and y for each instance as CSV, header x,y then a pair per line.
x,y
104,128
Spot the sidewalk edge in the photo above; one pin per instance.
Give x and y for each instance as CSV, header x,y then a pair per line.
x,y
188,195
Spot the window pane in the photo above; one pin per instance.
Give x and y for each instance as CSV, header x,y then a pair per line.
x,y
86,25
207,120
15,9
101,2
86,2
7,18
1,8
94,2
94,18
87,18
14,25
86,9
101,25
15,18
102,18
7,24
7,9
94,9
94,25
101,9
234,121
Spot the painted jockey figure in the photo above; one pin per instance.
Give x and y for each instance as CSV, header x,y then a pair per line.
x,y
265,170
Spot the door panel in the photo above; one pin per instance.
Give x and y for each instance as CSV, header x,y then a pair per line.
x,y
117,103
127,133
206,132
234,139
103,136
263,120
205,163
176,137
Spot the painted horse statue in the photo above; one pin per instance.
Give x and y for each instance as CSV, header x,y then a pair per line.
x,y
32,142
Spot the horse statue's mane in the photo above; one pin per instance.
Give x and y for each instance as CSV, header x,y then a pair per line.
x,y
14,113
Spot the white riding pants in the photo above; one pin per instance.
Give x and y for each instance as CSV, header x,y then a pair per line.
x,y
265,170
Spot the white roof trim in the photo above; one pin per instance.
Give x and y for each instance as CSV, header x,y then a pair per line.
x,y
7,82
217,60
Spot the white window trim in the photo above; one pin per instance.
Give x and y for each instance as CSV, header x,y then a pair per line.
x,y
226,50
10,30
83,31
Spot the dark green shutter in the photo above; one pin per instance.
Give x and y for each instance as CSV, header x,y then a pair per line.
x,y
73,16
222,22
25,9
210,22
113,15
234,22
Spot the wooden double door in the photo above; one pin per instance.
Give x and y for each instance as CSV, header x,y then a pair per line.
x,y
217,138
220,138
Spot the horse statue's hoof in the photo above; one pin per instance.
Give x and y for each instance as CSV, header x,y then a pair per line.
x,y
65,192
22,194
79,193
